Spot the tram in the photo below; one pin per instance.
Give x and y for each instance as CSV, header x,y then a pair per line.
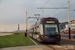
x,y
46,30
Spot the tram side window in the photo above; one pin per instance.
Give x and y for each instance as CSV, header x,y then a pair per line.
x,y
41,29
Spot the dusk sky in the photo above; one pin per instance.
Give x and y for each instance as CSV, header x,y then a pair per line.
x,y
13,12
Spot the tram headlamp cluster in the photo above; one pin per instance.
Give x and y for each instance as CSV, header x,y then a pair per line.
x,y
46,36
58,36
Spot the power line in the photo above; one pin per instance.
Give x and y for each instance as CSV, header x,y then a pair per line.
x,y
59,13
45,3
66,3
43,6
56,9
62,11
53,11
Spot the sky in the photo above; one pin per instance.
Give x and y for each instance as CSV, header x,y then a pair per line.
x,y
13,12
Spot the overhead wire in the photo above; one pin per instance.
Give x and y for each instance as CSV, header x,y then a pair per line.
x,y
59,13
43,6
62,11
56,9
52,12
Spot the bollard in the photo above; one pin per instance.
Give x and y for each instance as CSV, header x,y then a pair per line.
x,y
25,35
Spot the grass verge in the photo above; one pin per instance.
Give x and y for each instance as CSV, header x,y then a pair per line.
x,y
15,40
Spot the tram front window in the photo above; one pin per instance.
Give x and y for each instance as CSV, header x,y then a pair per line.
x,y
51,29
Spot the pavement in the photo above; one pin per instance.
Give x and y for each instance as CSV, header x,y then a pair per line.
x,y
40,47
67,36
4,34
33,47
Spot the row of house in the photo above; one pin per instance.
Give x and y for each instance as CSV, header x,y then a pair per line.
x,y
72,25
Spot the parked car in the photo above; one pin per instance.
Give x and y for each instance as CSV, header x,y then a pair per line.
x,y
72,31
73,36
66,31
61,30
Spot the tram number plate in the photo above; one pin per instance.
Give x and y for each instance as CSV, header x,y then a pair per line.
x,y
50,22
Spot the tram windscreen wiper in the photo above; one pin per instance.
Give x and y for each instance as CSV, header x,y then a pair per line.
x,y
49,31
56,33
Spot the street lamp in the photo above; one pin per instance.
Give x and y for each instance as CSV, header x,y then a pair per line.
x,y
26,25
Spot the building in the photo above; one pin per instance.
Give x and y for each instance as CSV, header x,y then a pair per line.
x,y
66,25
73,24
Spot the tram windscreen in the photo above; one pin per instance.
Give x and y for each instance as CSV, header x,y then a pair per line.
x,y
51,29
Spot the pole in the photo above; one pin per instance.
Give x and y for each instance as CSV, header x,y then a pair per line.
x,y
43,13
18,27
69,18
33,33
26,23
68,11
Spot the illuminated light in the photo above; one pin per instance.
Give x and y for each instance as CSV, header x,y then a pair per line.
x,y
56,19
50,22
44,19
45,36
58,36
41,19
42,37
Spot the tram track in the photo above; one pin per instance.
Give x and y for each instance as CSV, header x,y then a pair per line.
x,y
50,47
54,46
46,44
59,47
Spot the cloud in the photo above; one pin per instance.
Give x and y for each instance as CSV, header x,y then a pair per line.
x,y
14,11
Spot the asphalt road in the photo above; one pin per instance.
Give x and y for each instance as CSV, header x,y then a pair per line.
x,y
67,36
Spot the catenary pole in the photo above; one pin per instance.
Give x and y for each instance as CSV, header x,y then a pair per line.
x,y
69,18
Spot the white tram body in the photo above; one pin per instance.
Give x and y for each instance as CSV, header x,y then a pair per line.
x,y
46,30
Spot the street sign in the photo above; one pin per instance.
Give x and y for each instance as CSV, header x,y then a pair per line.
x,y
69,25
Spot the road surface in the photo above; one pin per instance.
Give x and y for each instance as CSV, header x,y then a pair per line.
x,y
67,35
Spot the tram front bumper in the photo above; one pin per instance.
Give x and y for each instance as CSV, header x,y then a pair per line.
x,y
51,40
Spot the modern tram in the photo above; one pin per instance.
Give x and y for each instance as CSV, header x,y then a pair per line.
x,y
46,30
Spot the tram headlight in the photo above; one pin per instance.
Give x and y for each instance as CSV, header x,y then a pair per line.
x,y
58,36
45,36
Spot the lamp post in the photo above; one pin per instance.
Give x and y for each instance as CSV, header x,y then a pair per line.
x,y
26,24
